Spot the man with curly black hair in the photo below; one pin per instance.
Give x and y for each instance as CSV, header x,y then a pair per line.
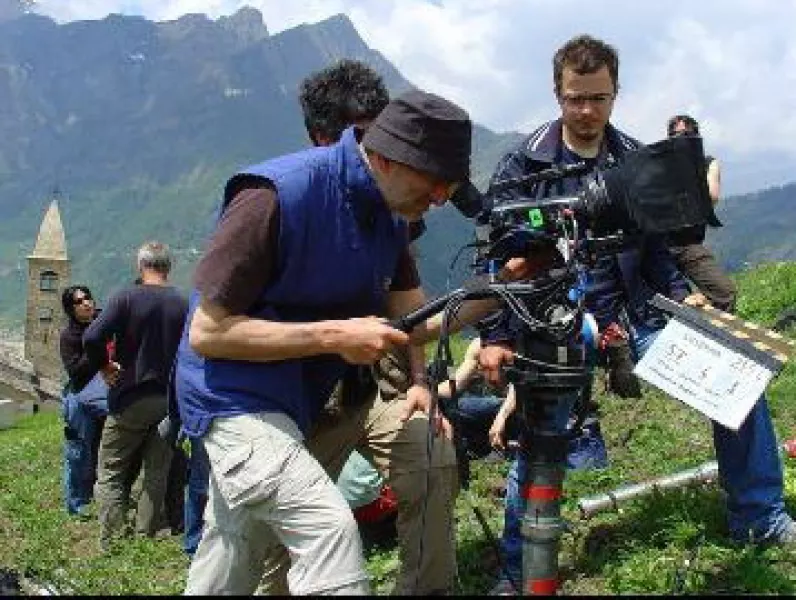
x,y
347,93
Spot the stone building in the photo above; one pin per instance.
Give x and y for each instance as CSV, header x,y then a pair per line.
x,y
34,376
48,276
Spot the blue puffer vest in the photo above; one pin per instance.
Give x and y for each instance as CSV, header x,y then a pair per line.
x,y
330,266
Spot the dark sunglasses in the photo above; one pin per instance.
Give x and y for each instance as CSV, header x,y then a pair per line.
x,y
81,299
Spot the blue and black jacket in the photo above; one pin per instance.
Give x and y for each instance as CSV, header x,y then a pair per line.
x,y
619,282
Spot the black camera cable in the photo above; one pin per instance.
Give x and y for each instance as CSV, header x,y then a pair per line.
x,y
442,354
443,363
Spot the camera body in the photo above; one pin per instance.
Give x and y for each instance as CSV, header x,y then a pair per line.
x,y
657,189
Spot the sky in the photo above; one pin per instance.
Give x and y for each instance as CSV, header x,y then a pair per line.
x,y
729,63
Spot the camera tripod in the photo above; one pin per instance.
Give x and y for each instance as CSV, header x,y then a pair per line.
x,y
549,374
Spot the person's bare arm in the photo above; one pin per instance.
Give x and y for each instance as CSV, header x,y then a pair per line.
x,y
216,333
466,370
400,303
418,396
498,429
714,181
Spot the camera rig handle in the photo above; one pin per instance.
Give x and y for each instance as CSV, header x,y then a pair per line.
x,y
409,321
551,174
478,288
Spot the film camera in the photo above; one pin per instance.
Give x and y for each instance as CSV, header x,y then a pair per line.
x,y
657,189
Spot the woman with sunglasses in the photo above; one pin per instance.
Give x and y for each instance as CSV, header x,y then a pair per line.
x,y
85,403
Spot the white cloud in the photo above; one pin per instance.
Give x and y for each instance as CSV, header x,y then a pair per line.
x,y
731,63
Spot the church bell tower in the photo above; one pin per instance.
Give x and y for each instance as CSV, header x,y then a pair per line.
x,y
48,276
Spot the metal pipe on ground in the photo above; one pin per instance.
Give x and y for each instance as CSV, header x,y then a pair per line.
x,y
705,473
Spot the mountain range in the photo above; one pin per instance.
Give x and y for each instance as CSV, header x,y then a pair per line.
x,y
135,125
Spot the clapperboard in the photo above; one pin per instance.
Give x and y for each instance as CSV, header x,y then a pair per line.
x,y
713,361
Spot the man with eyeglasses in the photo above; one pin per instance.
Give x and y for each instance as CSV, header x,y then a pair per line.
x,y
585,78
585,74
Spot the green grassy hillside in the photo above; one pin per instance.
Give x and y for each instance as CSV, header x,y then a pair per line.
x,y
666,543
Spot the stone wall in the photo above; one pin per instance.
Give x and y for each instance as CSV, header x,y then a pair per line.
x,y
19,382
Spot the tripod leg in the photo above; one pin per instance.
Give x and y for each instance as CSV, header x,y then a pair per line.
x,y
542,471
542,525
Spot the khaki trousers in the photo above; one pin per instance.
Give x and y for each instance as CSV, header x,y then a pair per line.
x,y
697,262
426,489
126,437
267,491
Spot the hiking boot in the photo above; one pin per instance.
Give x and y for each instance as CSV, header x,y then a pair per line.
x,y
621,379
786,537
587,450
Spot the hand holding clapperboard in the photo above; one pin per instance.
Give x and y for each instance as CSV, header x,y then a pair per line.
x,y
713,361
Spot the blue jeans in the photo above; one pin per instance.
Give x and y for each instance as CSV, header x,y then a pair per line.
x,y
749,466
511,542
83,415
475,417
480,408
196,495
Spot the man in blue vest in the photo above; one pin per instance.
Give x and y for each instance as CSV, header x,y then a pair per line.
x,y
310,252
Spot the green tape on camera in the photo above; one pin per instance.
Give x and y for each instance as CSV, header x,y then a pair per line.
x,y
535,217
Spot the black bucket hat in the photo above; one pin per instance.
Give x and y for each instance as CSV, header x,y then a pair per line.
x,y
426,132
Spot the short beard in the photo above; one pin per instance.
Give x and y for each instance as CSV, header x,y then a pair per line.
x,y
586,137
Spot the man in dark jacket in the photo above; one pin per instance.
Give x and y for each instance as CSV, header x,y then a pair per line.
x,y
145,321
617,289
85,403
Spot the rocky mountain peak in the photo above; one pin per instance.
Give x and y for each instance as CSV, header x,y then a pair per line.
x,y
247,23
